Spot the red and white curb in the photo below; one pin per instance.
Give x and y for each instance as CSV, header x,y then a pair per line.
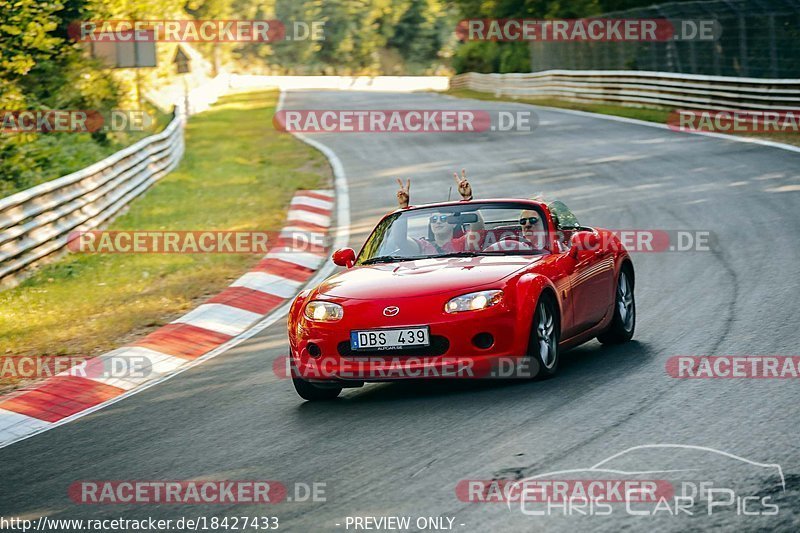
x,y
199,334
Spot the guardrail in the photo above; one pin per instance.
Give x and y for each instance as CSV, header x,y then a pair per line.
x,y
641,89
36,223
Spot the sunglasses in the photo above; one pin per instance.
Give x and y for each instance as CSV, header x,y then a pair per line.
x,y
438,218
529,220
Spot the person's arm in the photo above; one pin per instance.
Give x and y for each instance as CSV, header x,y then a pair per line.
x,y
465,190
399,232
403,193
462,183
473,237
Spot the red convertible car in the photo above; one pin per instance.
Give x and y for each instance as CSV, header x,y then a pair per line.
x,y
461,289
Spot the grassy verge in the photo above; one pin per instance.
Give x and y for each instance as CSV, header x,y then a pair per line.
x,y
238,173
648,114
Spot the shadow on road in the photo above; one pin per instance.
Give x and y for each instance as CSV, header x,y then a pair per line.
x,y
581,369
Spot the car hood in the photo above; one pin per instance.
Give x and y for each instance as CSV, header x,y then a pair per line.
x,y
421,277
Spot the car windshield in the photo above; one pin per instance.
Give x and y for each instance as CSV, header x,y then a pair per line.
x,y
456,231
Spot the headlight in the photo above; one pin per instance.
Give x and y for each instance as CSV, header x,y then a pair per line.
x,y
324,311
473,301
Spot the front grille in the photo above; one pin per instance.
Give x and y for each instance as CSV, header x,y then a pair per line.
x,y
439,346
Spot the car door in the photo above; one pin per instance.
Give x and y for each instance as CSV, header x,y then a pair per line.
x,y
591,283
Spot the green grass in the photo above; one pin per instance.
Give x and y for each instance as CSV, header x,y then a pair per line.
x,y
238,173
647,114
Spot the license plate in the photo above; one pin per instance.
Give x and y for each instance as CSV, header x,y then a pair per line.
x,y
389,339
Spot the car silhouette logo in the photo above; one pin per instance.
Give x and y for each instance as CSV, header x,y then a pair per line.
x,y
392,310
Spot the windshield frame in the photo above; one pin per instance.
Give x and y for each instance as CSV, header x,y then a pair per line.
x,y
468,206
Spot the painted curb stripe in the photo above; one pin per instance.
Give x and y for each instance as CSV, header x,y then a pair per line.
x,y
305,226
146,364
60,397
298,215
176,345
248,299
289,243
220,318
298,258
16,425
273,265
319,194
183,340
268,283
311,209
312,202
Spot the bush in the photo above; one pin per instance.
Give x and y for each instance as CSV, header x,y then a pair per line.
x,y
515,57
477,56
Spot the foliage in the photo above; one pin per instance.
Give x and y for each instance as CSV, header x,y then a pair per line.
x,y
513,56
360,36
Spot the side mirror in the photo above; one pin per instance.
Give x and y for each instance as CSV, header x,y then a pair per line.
x,y
584,241
344,257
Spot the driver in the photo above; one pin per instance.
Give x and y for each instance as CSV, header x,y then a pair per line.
x,y
533,228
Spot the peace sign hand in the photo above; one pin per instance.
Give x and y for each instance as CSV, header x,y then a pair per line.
x,y
464,188
403,194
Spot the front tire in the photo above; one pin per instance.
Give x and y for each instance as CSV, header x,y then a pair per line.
x,y
545,334
624,322
315,393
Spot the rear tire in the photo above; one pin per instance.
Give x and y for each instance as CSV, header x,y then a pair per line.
x,y
544,338
624,322
315,393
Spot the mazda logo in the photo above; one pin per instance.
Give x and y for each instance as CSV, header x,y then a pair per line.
x,y
392,310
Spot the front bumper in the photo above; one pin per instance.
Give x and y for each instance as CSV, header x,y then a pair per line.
x,y
456,350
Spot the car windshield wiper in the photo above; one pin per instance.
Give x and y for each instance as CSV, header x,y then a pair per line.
x,y
457,254
389,259
483,253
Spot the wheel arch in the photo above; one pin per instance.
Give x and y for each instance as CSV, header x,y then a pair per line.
x,y
627,265
536,286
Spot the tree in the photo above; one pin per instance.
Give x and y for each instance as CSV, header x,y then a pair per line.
x,y
416,35
26,36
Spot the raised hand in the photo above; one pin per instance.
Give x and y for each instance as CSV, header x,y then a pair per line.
x,y
464,188
403,194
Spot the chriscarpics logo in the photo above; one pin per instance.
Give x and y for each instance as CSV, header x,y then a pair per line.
x,y
651,480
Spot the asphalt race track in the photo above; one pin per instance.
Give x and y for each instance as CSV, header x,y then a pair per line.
x,y
401,449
